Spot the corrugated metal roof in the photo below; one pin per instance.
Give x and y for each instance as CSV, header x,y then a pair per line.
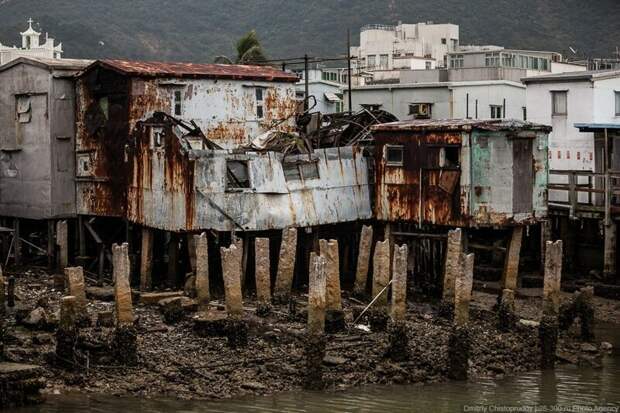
x,y
460,124
590,127
197,70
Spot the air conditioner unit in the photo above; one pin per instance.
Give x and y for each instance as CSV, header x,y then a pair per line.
x,y
420,110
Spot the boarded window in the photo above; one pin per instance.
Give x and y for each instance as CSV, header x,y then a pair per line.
x,y
394,155
237,175
559,103
23,108
301,170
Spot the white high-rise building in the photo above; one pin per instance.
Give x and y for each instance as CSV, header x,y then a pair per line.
x,y
387,47
31,47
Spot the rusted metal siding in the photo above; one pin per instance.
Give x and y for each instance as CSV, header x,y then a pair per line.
x,y
225,108
418,190
480,192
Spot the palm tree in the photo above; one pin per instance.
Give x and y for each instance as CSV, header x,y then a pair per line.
x,y
249,50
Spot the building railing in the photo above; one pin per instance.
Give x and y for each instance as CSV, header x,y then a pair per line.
x,y
602,192
384,27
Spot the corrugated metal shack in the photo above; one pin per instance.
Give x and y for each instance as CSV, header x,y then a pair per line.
x,y
230,103
37,140
433,175
37,137
461,173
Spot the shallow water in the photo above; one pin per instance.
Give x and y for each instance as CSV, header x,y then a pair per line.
x,y
567,385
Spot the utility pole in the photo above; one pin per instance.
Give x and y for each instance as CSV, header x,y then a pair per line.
x,y
306,86
349,70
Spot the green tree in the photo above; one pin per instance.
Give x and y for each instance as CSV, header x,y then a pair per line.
x,y
249,50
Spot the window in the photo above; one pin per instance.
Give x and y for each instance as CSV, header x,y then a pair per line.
x,y
420,110
300,170
559,103
260,114
491,59
443,40
157,137
372,61
524,110
104,105
428,65
394,155
454,43
456,61
84,165
339,107
496,112
449,157
237,175
23,108
617,94
383,61
177,103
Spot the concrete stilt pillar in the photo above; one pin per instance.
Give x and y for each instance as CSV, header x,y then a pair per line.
x,y
399,283
609,253
75,282
62,240
548,330
506,317
286,265
66,335
463,287
317,290
381,273
553,276
122,288
262,275
231,269
146,260
511,261
363,260
203,295
329,251
452,265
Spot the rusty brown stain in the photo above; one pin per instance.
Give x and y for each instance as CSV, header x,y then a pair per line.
x,y
227,131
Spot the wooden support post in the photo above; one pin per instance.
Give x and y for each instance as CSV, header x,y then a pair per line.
x,y
201,246
173,260
146,260
545,235
553,277
51,244
17,242
286,265
511,261
62,240
363,260
122,288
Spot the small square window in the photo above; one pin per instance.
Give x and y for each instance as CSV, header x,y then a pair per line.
x,y
449,157
394,155
84,165
496,112
157,137
301,170
237,175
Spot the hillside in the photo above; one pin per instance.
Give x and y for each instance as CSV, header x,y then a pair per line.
x,y
198,30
